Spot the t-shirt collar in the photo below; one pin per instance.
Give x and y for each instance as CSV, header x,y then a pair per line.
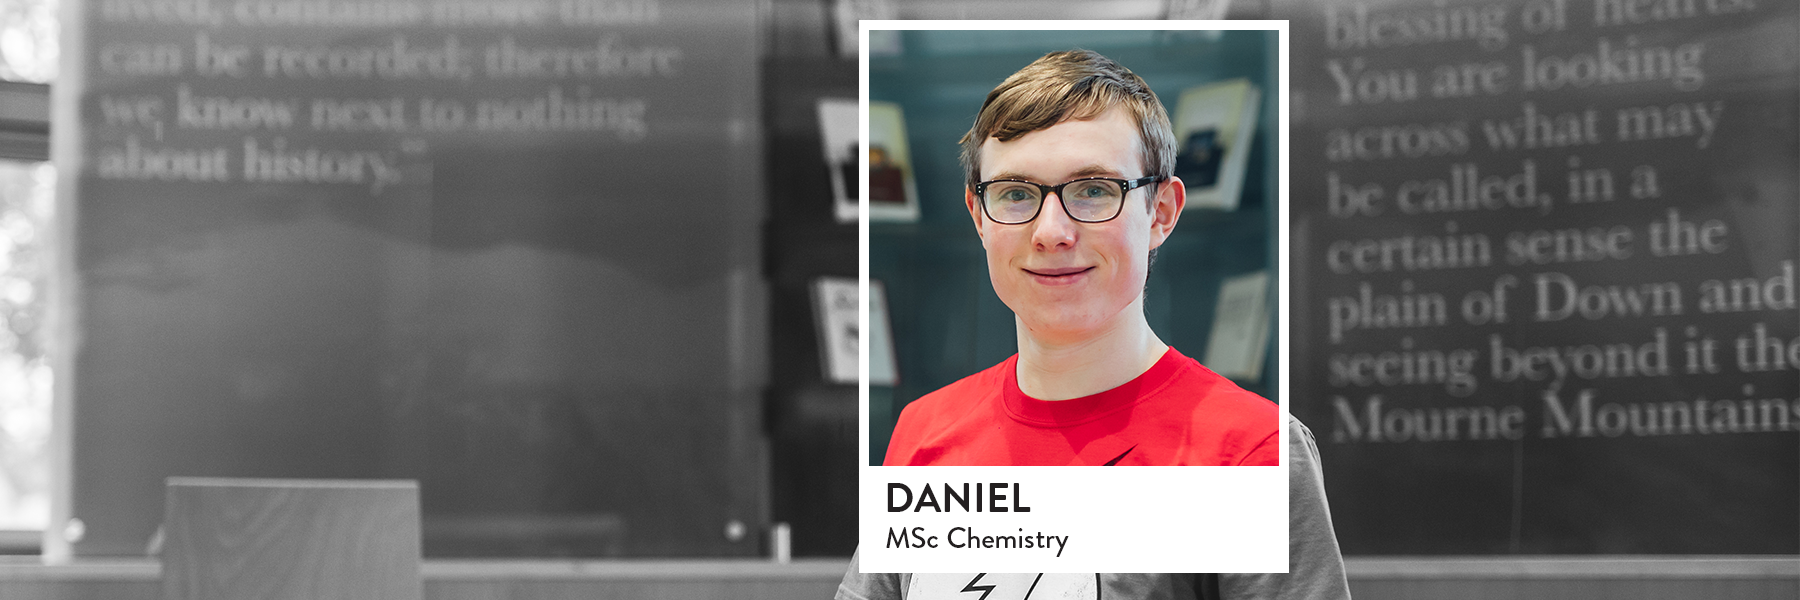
x,y
1075,411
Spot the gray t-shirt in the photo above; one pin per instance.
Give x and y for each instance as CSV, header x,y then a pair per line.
x,y
1315,567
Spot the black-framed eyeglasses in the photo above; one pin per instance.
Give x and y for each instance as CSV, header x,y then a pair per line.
x,y
1088,200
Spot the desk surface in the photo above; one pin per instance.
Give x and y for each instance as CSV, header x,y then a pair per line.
x,y
1402,578
1534,567
721,579
25,568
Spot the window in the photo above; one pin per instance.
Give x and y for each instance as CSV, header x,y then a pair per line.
x,y
27,197
28,40
28,53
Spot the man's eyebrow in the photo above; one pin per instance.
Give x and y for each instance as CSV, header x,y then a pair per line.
x,y
1087,171
1092,171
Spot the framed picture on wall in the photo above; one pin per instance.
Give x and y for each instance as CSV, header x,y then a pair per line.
x,y
1240,330
834,315
1213,127
834,310
837,134
892,194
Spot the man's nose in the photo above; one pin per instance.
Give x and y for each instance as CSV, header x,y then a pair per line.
x,y
1054,226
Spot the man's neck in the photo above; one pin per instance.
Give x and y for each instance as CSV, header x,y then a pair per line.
x,y
1062,369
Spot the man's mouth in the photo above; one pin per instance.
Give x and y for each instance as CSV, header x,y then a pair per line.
x,y
1059,272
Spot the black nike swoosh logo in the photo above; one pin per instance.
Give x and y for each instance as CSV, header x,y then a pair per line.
x,y
1116,459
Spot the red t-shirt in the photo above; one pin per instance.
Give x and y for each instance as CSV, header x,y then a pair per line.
x,y
1176,413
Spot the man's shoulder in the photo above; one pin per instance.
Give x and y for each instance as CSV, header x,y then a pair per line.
x,y
1225,424
1217,398
934,420
959,395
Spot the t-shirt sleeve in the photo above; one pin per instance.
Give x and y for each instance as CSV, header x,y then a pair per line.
x,y
904,438
1315,566
1266,453
868,586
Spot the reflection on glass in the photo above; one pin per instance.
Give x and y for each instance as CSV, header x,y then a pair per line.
x,y
28,40
26,201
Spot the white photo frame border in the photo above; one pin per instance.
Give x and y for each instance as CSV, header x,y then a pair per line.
x,y
1175,521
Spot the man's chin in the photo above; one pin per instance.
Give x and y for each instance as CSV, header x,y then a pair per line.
x,y
1061,324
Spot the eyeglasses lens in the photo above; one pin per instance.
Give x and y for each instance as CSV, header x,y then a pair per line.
x,y
1012,201
1093,200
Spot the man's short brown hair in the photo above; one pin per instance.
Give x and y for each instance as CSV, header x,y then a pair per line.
x,y
1073,84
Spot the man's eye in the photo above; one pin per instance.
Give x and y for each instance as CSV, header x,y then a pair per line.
x,y
1015,195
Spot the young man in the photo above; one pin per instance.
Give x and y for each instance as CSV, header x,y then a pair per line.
x,y
1070,186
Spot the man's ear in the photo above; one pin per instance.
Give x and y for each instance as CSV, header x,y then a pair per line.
x,y
1165,209
974,210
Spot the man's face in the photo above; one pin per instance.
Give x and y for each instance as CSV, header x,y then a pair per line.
x,y
1067,280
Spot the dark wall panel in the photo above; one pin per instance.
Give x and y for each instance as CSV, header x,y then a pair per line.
x,y
1543,260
